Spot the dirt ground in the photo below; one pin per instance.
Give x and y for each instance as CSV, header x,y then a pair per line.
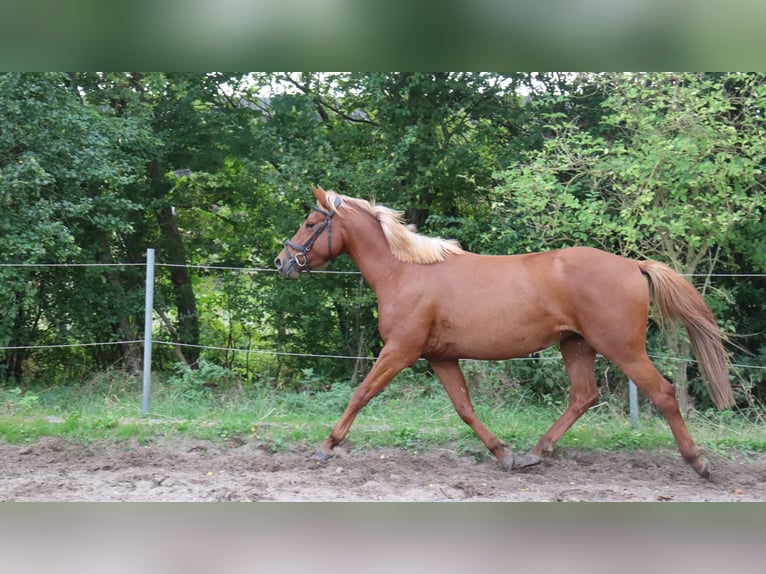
x,y
56,469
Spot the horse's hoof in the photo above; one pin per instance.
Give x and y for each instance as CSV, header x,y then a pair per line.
x,y
323,456
507,463
704,470
527,460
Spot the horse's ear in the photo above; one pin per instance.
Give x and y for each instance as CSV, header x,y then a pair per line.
x,y
321,196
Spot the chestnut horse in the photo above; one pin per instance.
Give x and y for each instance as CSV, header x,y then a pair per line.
x,y
441,303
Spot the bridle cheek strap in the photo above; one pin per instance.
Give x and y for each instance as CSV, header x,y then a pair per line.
x,y
301,256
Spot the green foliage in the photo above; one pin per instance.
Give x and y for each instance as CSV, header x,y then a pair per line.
x,y
63,180
410,416
196,385
672,171
214,169
673,167
18,401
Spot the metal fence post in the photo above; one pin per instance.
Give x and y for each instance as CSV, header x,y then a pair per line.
x,y
633,400
148,314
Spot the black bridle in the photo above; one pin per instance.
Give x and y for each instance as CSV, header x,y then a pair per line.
x,y
301,256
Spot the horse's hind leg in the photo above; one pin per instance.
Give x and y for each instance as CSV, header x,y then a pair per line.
x,y
579,360
452,380
647,378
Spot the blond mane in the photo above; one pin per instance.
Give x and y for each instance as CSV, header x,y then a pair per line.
x,y
405,243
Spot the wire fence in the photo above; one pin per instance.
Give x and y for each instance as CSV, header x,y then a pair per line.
x,y
148,342
255,270
244,270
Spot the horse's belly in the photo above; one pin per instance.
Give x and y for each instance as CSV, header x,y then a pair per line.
x,y
495,338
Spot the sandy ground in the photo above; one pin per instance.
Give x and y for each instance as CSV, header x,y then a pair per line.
x,y
55,469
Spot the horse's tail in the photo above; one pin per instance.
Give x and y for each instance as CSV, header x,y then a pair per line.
x,y
676,299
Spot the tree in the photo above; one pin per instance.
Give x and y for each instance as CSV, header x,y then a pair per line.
x,y
62,172
194,128
673,172
427,143
215,169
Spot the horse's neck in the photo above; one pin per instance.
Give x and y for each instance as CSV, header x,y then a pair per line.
x,y
368,247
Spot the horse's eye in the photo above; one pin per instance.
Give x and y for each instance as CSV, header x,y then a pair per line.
x,y
310,225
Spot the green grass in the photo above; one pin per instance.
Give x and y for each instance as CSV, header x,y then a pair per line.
x,y
409,415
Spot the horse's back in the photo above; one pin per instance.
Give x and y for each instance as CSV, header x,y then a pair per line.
x,y
566,272
488,306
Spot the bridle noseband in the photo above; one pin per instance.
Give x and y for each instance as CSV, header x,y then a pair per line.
x,y
301,257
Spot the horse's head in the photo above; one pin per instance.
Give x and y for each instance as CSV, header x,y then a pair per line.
x,y
314,244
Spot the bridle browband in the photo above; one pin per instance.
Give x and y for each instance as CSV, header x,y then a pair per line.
x,y
302,250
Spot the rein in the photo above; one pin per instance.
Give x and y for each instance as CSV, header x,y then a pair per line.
x,y
303,250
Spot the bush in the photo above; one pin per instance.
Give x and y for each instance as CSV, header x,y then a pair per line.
x,y
196,385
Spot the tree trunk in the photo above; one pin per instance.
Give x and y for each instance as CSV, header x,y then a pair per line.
x,y
15,358
14,364
174,253
185,300
131,352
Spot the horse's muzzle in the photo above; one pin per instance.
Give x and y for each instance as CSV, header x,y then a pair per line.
x,y
288,268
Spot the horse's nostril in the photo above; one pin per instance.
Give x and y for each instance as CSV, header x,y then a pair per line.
x,y
278,263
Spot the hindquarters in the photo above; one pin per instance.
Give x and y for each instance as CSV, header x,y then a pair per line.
x,y
613,308
611,312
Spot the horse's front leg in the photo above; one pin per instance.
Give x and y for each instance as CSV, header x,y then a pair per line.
x,y
390,363
452,380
